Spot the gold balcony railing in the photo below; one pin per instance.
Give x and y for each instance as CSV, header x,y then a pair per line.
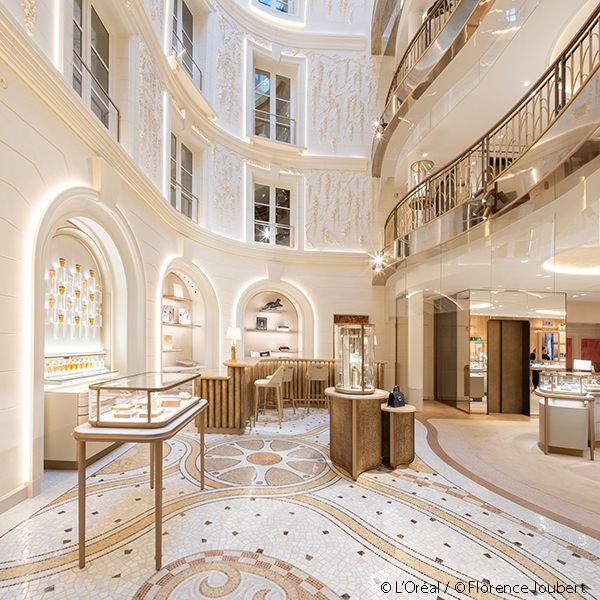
x,y
86,84
186,59
435,20
184,201
472,177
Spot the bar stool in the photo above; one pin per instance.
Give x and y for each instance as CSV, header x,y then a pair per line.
x,y
288,377
273,382
316,375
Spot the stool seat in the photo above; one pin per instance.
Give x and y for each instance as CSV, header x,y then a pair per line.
x,y
283,375
263,382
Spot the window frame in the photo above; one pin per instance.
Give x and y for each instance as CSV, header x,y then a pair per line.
x,y
272,224
94,86
271,118
178,191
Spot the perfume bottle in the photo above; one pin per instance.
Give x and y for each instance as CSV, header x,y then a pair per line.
x,y
77,276
51,281
61,271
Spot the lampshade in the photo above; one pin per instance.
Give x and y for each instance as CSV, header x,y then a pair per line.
x,y
233,333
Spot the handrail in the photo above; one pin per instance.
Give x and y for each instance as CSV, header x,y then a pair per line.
x,y
471,174
102,89
423,38
187,192
179,53
279,120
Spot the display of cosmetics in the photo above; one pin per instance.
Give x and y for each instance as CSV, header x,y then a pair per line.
x,y
73,301
62,366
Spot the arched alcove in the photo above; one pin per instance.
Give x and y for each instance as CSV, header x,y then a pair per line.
x,y
196,294
301,314
79,214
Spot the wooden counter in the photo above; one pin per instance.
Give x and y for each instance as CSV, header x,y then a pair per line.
x,y
229,389
355,430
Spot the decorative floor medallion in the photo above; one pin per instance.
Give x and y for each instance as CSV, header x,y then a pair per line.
x,y
233,574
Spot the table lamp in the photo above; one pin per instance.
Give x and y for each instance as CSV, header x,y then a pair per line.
x,y
233,334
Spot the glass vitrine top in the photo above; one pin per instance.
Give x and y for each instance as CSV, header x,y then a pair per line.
x,y
152,381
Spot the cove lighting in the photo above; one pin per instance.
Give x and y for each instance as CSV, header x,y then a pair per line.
x,y
480,305
551,311
576,261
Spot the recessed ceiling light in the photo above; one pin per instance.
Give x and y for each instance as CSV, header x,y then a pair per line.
x,y
525,260
539,274
546,276
576,261
480,305
583,294
551,311
425,154
526,83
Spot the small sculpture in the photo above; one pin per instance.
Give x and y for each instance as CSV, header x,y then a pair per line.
x,y
273,305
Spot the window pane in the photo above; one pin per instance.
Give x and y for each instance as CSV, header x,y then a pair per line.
x,y
261,212
77,11
187,204
99,104
77,80
187,27
262,91
77,38
283,133
99,38
262,233
282,216
283,108
282,88
282,197
283,237
187,159
173,195
173,146
100,72
261,127
261,193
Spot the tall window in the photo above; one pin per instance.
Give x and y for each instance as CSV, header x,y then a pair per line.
x,y
182,40
284,6
182,178
272,215
273,107
91,59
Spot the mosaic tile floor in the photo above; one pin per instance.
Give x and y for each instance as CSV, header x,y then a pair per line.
x,y
277,521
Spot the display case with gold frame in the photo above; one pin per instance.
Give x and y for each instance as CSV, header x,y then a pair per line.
x,y
354,353
560,382
150,399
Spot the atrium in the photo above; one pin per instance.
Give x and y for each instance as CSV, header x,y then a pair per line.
x,y
229,229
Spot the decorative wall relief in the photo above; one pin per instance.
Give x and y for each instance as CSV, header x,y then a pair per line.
x,y
342,94
29,14
228,198
151,107
229,65
156,12
339,209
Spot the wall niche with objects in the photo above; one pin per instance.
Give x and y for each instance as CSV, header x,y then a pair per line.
x,y
183,314
271,326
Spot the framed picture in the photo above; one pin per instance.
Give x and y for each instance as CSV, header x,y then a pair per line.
x,y
168,313
261,322
185,316
167,342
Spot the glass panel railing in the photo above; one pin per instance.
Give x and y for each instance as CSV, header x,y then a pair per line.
x,y
185,58
183,200
274,126
88,86
471,180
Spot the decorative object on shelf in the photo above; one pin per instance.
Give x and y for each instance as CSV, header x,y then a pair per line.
x,y
354,353
283,327
168,313
273,305
396,398
261,322
167,342
264,354
233,334
284,348
59,368
178,290
185,316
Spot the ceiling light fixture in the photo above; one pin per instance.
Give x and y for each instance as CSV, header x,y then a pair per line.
x,y
551,311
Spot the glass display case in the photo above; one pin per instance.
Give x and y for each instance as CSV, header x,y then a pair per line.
x,y
558,382
143,400
354,353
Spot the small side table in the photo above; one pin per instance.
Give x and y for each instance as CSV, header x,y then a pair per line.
x,y
397,435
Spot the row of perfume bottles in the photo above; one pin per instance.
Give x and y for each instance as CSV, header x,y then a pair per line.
x,y
76,330
72,282
56,367
73,312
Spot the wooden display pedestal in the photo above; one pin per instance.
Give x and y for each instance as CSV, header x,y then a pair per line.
x,y
397,435
355,430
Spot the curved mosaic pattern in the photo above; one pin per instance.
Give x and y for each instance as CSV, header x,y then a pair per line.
x,y
233,574
275,495
264,462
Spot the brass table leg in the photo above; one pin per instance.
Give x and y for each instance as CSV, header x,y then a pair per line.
x,y
81,498
151,465
592,426
546,427
202,448
158,472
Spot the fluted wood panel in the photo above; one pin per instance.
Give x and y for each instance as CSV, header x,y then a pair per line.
x,y
230,398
